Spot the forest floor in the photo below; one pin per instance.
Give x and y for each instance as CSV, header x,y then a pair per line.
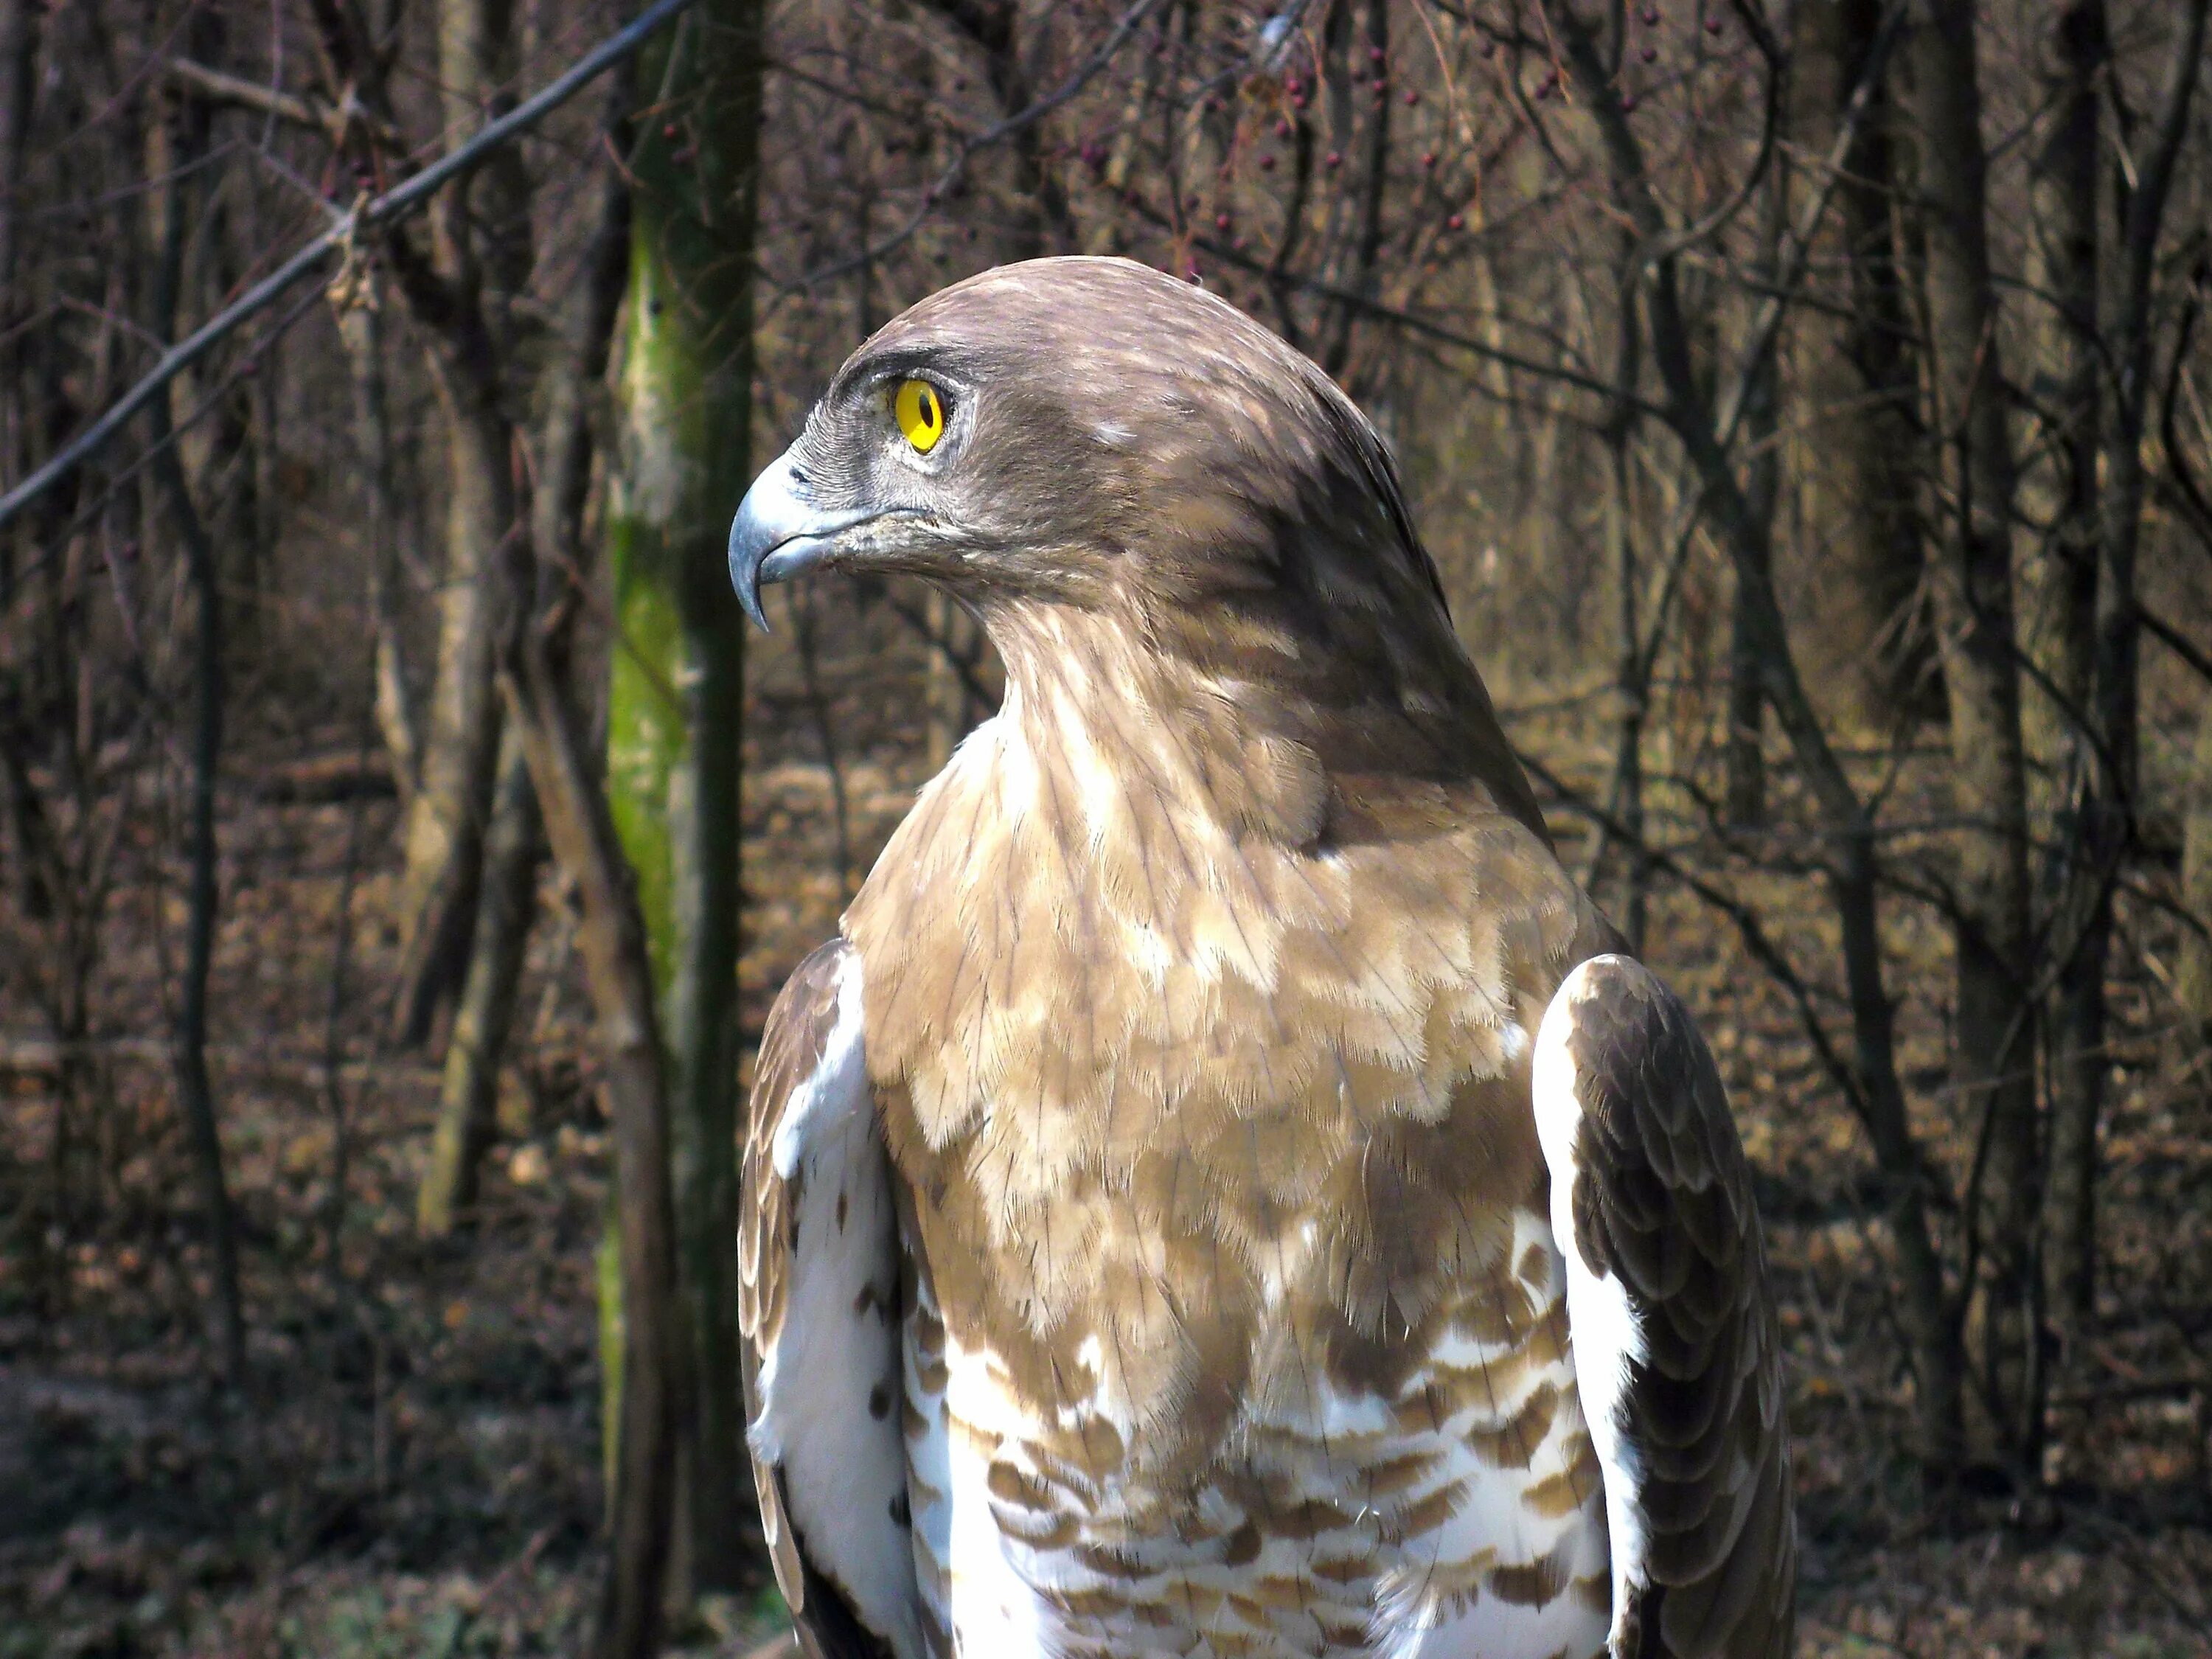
x,y
414,1465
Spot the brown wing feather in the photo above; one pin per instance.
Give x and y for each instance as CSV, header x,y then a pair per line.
x,y
793,1046
1662,1199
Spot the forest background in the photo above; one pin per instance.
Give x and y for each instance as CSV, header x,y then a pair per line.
x,y
400,840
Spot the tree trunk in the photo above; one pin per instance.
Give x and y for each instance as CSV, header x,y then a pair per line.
x,y
1860,385
361,327
2107,815
173,155
1630,684
1746,778
2058,622
19,803
676,698
2059,488
18,50
443,836
2195,980
457,301
469,1099
652,1369
618,971
1993,1062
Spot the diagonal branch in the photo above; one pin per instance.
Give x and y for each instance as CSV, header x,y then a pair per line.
x,y
374,214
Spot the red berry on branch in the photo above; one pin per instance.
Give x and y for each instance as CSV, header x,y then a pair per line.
x,y
1457,221
1428,158
1413,97
1332,160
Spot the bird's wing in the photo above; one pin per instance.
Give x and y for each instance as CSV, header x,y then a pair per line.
x,y
1676,1354
818,1306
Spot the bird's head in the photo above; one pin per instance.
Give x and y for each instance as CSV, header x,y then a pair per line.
x,y
1085,432
1145,494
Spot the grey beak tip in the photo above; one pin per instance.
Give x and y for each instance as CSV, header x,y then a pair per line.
x,y
747,548
747,582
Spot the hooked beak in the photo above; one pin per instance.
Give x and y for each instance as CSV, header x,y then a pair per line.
x,y
778,532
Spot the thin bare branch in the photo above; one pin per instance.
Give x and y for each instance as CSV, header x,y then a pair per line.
x,y
372,214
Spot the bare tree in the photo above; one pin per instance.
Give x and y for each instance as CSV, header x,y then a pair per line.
x,y
1993,1058
1860,377
455,291
653,1362
2103,826
174,144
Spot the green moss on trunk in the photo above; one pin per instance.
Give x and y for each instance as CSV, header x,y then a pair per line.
x,y
675,699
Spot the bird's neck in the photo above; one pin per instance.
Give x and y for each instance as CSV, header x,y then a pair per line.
x,y
1103,699
1261,719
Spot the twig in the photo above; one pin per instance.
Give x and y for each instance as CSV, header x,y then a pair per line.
x,y
246,95
370,215
2174,641
1085,74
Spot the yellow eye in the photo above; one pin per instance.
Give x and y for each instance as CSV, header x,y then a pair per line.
x,y
919,411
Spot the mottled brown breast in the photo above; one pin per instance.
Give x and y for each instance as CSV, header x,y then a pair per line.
x,y
1210,1131
1127,1054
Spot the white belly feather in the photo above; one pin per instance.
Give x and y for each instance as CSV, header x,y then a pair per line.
x,y
1454,1565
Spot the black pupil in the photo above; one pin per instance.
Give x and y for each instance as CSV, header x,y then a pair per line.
x,y
928,410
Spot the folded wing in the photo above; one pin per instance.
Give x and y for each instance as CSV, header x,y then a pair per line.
x,y
1676,1354
819,1309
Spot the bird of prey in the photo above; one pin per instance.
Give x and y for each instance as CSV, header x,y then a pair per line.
x,y
1222,1192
